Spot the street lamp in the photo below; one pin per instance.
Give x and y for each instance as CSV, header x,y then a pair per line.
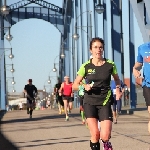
x,y
8,36
55,69
5,9
49,79
12,69
76,35
13,89
13,82
99,8
44,89
11,56
62,55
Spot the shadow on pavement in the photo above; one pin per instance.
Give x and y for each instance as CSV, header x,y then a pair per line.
x,y
54,143
39,118
5,144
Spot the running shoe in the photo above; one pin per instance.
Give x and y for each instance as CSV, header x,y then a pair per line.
x,y
67,118
115,122
30,116
107,146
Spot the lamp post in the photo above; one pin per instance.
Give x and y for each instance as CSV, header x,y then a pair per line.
x,y
54,69
5,9
8,36
75,35
12,82
101,10
49,79
11,56
62,56
12,69
6,90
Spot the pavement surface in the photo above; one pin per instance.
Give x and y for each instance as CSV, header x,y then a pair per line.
x,y
48,130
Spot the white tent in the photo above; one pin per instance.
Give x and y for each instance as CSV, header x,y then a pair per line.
x,y
16,102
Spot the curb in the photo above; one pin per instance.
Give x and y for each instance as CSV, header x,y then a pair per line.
x,y
139,111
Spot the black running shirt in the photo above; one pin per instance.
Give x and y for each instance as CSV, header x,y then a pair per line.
x,y
31,89
100,94
58,85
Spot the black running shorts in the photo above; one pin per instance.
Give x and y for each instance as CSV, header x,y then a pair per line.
x,y
146,94
68,98
29,101
97,111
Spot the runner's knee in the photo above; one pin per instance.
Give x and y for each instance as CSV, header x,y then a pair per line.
x,y
105,137
95,135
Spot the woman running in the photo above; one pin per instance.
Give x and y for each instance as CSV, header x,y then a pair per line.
x,y
98,96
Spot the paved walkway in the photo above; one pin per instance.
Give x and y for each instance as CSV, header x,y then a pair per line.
x,y
48,131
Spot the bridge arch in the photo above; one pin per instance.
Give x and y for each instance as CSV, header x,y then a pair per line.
x,y
23,10
45,11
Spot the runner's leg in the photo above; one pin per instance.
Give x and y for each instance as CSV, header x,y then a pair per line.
x,y
28,106
65,108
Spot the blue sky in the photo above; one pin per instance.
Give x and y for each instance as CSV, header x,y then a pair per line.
x,y
36,44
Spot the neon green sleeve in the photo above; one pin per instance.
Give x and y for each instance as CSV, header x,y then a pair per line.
x,y
114,69
81,71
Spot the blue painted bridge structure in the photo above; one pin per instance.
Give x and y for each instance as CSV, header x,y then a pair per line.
x,y
80,17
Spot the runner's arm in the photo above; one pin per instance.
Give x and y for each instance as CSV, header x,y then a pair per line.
x,y
35,89
76,84
25,91
61,89
136,69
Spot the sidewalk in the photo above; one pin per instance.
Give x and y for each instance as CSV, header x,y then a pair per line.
x,y
48,131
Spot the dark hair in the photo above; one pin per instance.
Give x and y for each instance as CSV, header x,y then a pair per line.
x,y
30,80
96,39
